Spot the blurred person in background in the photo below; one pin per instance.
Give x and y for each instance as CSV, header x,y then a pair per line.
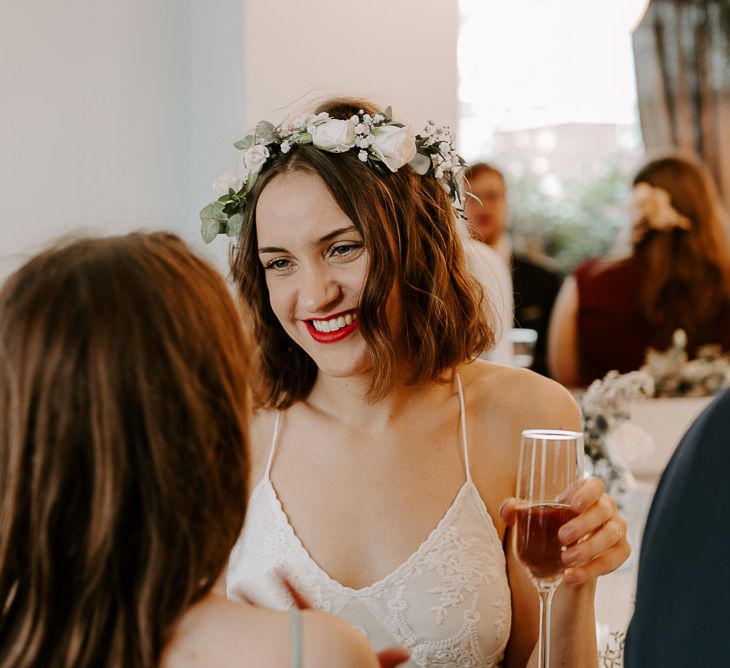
x,y
535,284
611,311
494,277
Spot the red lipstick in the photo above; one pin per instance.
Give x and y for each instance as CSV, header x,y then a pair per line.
x,y
331,337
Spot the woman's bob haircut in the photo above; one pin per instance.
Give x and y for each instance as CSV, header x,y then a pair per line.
x,y
409,229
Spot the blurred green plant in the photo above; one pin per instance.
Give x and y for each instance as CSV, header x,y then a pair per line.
x,y
585,220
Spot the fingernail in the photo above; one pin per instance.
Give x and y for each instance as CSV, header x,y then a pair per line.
x,y
577,503
570,579
502,507
566,534
570,557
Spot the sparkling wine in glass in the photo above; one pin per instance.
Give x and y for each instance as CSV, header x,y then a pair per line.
x,y
550,472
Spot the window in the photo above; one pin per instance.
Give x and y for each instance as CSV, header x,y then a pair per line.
x,y
547,93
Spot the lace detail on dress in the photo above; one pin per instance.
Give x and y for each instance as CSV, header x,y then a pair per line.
x,y
448,603
279,552
462,567
460,649
459,569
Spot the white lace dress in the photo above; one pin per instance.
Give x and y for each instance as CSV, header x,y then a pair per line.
x,y
448,603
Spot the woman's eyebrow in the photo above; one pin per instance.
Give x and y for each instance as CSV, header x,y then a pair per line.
x,y
327,237
272,249
335,233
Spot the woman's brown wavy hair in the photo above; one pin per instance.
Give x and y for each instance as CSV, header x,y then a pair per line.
x,y
409,230
123,441
686,273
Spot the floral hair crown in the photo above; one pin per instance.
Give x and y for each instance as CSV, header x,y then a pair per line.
x,y
381,143
652,210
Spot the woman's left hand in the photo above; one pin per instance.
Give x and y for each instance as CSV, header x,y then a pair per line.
x,y
595,540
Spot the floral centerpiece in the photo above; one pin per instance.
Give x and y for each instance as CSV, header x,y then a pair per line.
x,y
613,443
675,375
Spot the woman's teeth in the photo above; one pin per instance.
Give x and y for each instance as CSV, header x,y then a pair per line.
x,y
333,324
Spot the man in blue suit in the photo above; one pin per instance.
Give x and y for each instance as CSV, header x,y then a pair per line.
x,y
682,615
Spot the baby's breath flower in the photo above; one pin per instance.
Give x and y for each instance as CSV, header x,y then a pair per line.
x,y
374,137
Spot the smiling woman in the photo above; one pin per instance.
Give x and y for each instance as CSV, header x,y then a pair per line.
x,y
315,265
318,192
351,273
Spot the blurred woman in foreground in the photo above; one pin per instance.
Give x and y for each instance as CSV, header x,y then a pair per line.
x,y
123,462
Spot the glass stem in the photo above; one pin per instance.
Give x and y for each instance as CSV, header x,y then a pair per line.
x,y
543,640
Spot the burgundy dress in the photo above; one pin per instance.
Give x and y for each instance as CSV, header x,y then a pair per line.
x,y
611,331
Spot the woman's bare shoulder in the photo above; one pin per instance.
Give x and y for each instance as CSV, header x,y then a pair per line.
x,y
261,433
261,427
218,632
518,395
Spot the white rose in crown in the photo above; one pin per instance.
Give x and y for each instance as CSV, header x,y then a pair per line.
x,y
394,146
255,157
335,135
227,181
628,444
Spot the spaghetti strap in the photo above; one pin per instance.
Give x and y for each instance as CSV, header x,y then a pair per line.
x,y
274,443
296,637
462,413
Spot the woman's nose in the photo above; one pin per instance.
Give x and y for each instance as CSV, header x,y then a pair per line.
x,y
318,290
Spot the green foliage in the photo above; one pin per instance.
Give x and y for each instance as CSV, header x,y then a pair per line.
x,y
583,222
212,221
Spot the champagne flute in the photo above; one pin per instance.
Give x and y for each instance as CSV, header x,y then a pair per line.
x,y
550,471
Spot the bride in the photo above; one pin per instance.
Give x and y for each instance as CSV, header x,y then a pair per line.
x,y
382,450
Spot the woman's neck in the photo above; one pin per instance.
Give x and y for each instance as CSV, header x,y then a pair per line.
x,y
346,399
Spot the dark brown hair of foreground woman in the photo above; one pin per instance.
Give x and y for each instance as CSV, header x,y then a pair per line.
x,y
123,421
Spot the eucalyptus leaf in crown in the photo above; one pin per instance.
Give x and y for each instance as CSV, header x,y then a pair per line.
x,y
381,143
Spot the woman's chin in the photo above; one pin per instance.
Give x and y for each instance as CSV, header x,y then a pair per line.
x,y
346,368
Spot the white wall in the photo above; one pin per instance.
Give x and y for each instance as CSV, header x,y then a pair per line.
x,y
396,52
116,114
112,114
